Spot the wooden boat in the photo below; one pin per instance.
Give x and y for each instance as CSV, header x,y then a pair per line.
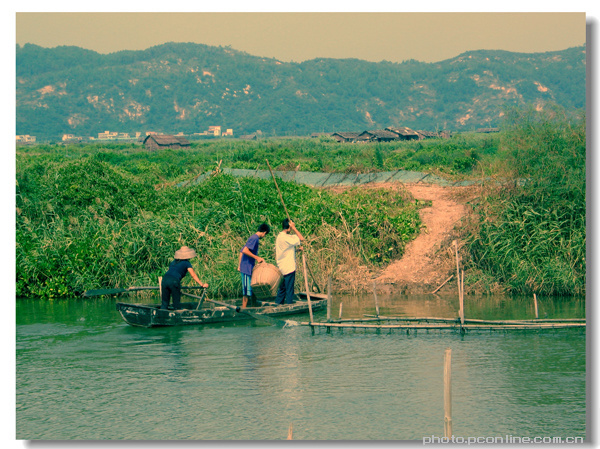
x,y
150,315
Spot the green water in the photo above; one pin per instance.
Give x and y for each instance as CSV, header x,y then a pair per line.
x,y
82,373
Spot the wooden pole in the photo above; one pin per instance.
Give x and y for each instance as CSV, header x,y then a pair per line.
x,y
448,393
278,191
329,299
341,305
536,307
462,299
443,283
288,217
375,294
306,285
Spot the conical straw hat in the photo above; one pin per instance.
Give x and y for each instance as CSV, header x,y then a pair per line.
x,y
185,253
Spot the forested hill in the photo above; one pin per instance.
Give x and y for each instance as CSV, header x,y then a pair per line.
x,y
179,87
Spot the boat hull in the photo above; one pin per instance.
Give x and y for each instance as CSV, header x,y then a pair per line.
x,y
150,315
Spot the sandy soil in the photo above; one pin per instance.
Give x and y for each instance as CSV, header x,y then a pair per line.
x,y
429,259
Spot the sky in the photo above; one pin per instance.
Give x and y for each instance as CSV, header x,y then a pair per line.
x,y
300,36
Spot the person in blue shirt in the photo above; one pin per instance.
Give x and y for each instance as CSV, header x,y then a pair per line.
x,y
248,257
171,281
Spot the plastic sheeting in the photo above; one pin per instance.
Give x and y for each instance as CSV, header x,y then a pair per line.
x,y
341,179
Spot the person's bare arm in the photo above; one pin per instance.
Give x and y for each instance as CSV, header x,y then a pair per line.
x,y
293,227
248,253
195,277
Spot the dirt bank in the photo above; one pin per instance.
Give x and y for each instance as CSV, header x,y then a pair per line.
x,y
429,259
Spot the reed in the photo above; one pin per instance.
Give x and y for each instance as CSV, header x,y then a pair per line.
x,y
531,236
86,224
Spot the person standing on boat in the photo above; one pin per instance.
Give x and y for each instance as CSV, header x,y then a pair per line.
x,y
285,255
248,257
171,281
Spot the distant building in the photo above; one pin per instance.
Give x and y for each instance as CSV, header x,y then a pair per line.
x,y
404,133
214,130
25,138
345,137
164,141
433,135
107,135
377,135
71,138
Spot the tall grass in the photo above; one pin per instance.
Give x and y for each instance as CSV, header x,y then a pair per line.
x,y
455,157
99,215
87,224
531,238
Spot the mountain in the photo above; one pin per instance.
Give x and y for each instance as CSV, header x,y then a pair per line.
x,y
184,87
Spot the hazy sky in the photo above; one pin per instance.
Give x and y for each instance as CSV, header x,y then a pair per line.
x,y
395,37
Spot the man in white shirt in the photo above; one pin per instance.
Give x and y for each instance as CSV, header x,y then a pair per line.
x,y
285,255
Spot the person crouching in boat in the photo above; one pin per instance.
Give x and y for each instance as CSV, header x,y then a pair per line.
x,y
171,281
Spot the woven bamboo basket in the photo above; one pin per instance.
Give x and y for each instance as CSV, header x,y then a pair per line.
x,y
265,280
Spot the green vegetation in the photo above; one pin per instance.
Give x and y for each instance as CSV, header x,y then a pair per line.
x,y
185,87
91,216
461,156
532,238
86,224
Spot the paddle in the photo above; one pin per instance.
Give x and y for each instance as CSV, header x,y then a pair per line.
x,y
256,316
114,291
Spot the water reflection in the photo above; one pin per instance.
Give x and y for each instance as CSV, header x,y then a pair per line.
x,y
447,306
81,369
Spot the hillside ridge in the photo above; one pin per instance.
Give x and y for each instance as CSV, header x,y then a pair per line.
x,y
186,88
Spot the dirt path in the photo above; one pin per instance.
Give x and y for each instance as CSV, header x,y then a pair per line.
x,y
421,269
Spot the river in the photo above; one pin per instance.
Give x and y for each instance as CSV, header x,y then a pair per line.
x,y
82,373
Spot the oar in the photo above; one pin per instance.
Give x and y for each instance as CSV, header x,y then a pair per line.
x,y
114,291
201,298
288,217
256,316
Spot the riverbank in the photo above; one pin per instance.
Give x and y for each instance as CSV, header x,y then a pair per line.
x,y
429,259
92,217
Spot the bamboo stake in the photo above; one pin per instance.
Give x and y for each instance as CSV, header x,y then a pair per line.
x,y
428,319
536,307
306,285
445,326
443,283
448,393
291,432
462,298
329,299
375,294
